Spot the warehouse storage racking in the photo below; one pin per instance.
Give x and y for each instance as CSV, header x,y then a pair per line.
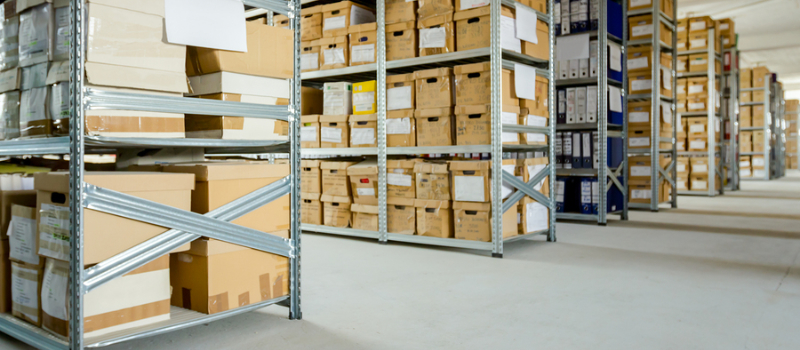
x,y
778,126
730,116
766,128
603,128
500,59
657,173
714,118
184,226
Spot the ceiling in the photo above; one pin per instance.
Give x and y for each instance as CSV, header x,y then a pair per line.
x,y
769,33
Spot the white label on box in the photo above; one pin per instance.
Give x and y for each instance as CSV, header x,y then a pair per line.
x,y
469,188
697,144
745,173
54,231
758,161
641,85
24,291
54,289
681,184
666,113
696,44
681,167
639,142
507,190
636,63
723,26
638,170
360,15
637,3
362,136
510,118
697,106
744,164
726,41
536,218
471,4
681,145
697,128
699,62
614,99
308,134
699,185
431,38
643,30
759,173
699,25
641,194
699,168
398,126
399,98
398,179
365,191
309,61
639,117
22,240
363,53
696,89
508,34
334,56
363,101
534,170
335,22
333,135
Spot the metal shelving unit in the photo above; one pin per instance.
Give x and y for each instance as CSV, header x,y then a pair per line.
x,y
713,116
730,113
778,125
604,129
658,174
500,59
766,128
184,226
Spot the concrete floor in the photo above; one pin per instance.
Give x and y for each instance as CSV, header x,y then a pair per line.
x,y
719,273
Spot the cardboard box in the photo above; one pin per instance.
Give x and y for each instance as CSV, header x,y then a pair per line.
x,y
473,85
432,181
640,58
33,117
335,52
758,162
310,55
401,178
472,221
99,244
700,183
526,118
683,64
745,97
401,39
401,216
310,208
699,63
434,88
540,50
470,181
401,128
666,6
530,167
262,42
761,76
364,130
336,210
334,131
472,28
309,131
699,86
430,8
270,90
365,99
697,126
745,78
400,11
310,23
434,126
434,218
26,287
639,167
640,191
641,27
22,236
642,83
337,17
219,183
640,137
700,165
697,144
365,217
758,115
400,92
311,101
639,115
216,276
533,216
364,182
745,136
727,32
237,128
334,178
758,96
700,24
539,106
10,198
363,38
473,125
436,34
337,98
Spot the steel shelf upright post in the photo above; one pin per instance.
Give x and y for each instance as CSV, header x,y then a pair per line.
x,y
778,127
731,114
766,128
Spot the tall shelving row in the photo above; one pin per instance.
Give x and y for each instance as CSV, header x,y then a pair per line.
x,y
730,113
792,134
500,59
713,137
184,226
778,125
765,129
668,172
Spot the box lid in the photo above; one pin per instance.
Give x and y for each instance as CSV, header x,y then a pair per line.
x,y
362,208
361,28
310,163
401,201
336,165
396,27
311,196
311,10
472,109
334,199
472,206
476,12
399,78
367,167
313,118
364,118
333,118
472,68
430,203
536,161
469,165
402,163
333,40
433,73
153,7
433,112
338,6
400,113
229,170
431,168
127,181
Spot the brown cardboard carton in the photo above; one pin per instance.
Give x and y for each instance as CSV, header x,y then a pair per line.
x,y
530,119
472,28
434,218
335,52
26,289
220,183
534,216
758,115
22,236
364,182
310,176
700,24
9,198
640,58
436,34
639,167
470,181
745,136
642,83
430,8
52,201
757,162
432,181
639,137
310,208
364,130
401,39
311,100
641,27
336,210
334,178
401,178
262,42
309,131
640,191
538,107
363,39
683,64
761,76
758,96
233,128
473,85
473,125
310,23
541,50
400,92
401,216
401,128
473,221
337,17
745,97
215,277
434,88
365,217
310,56
700,165
435,126
683,28
745,78
399,11
334,132
699,63
639,115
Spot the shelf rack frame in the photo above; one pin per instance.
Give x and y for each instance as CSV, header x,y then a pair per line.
x,y
500,59
731,113
184,226
657,173
766,128
778,126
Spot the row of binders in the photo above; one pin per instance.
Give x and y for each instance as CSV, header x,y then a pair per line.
x,y
580,150
576,16
582,195
579,105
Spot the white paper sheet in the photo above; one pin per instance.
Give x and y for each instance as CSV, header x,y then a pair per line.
x,y
216,24
508,34
572,47
614,99
526,24
615,57
525,81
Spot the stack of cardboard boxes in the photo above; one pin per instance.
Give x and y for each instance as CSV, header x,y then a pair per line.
x,y
337,35
752,166
753,116
792,108
693,174
640,182
348,117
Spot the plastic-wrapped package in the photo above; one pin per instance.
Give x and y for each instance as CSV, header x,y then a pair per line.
x,y
33,118
9,119
59,108
34,76
35,35
9,39
62,35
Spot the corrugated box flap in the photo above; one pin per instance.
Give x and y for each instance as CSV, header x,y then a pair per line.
x,y
364,118
310,163
473,109
396,27
23,211
337,6
311,10
480,11
314,118
472,68
402,113
360,28
402,163
433,73
431,168
332,118
472,206
400,78
511,109
367,167
309,196
469,165
334,199
334,40
230,170
401,201
435,20
361,208
336,165
430,203
433,112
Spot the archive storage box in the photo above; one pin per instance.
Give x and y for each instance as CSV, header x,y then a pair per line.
x,y
641,27
401,215
334,132
401,178
310,23
310,208
400,11
23,241
470,181
364,130
363,38
432,181
364,182
365,217
641,59
640,191
310,176
334,178
310,56
338,17
473,85
533,216
434,218
401,128
436,35
309,131
336,210
335,52
337,98
474,124
238,128
435,127
400,92
639,115
434,88
25,289
473,221
401,39
526,117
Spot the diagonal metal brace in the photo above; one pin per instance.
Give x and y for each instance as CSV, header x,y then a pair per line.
x,y
272,5
613,176
153,248
665,174
512,180
517,196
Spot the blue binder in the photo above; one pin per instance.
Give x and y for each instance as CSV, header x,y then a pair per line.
x,y
560,186
586,195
